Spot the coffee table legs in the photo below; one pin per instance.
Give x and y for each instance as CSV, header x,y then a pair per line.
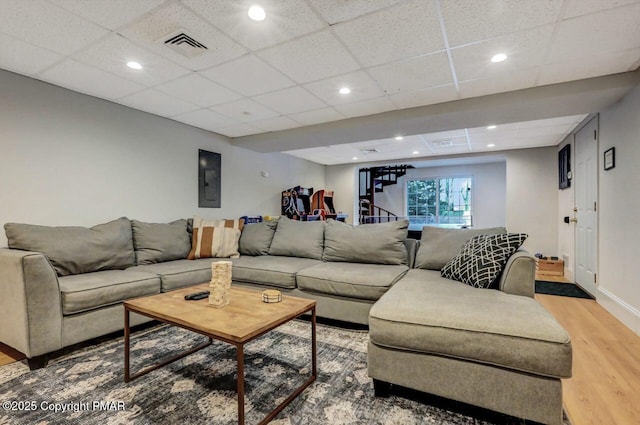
x,y
240,360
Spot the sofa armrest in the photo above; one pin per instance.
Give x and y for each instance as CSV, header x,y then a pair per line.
x,y
31,319
519,275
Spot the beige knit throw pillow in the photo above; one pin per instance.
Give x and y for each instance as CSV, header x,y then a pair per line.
x,y
215,238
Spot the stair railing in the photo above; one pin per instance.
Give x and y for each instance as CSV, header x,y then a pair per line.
x,y
383,215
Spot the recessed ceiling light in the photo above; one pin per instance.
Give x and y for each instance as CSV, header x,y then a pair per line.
x,y
491,127
498,58
257,13
354,158
345,90
399,137
134,65
416,152
491,145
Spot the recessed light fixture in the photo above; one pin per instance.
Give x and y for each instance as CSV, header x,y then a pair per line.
x,y
491,145
492,127
134,65
345,90
257,13
498,58
416,152
399,137
354,158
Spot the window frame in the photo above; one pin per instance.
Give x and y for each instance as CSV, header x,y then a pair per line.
x,y
470,176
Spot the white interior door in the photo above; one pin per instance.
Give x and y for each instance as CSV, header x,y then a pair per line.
x,y
586,192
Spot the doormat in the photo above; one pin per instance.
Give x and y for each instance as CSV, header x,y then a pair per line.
x,y
561,289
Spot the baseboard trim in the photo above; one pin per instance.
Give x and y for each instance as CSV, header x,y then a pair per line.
x,y
622,311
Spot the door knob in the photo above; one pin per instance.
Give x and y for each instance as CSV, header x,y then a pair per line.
x,y
573,220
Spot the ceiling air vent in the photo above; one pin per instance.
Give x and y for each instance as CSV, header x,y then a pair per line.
x,y
367,151
444,143
184,44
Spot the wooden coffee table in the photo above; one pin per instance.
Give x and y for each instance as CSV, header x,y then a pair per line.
x,y
243,320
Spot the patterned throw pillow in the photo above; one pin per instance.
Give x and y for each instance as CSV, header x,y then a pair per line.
x,y
215,238
482,259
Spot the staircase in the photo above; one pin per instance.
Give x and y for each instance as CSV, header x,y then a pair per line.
x,y
373,180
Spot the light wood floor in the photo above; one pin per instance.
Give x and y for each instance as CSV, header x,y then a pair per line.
x,y
605,385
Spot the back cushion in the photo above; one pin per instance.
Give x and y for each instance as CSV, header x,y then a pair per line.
x,y
367,243
298,239
75,250
256,238
159,242
439,245
215,238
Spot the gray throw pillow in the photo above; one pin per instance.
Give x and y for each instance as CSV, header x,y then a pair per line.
x,y
159,242
294,238
256,238
367,243
75,250
482,259
439,245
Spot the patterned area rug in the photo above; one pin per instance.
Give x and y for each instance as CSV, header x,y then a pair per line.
x,y
200,388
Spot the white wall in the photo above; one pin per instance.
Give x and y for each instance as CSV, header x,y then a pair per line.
x,y
71,159
489,190
566,232
619,197
343,180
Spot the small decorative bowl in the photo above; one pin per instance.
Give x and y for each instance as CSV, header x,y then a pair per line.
x,y
271,296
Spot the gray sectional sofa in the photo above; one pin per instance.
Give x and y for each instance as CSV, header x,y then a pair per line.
x,y
496,348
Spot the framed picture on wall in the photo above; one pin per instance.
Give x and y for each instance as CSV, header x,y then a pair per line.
x,y
609,158
564,167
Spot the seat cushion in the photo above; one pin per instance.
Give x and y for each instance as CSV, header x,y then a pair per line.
x,y
352,280
271,270
180,273
425,312
87,291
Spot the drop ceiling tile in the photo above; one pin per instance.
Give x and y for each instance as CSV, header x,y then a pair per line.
x,y
46,25
238,130
589,66
248,75
111,14
245,110
24,58
198,90
362,87
366,107
86,79
525,49
411,99
583,7
205,119
290,101
311,58
318,116
604,32
275,124
500,83
409,29
155,102
112,54
285,20
468,21
334,11
414,74
173,19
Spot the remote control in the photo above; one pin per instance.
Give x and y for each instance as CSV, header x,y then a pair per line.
x,y
196,296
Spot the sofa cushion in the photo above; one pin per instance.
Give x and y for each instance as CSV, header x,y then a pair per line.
x,y
159,242
75,250
270,270
179,273
215,238
298,239
351,280
427,313
381,243
439,245
88,291
482,259
256,238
